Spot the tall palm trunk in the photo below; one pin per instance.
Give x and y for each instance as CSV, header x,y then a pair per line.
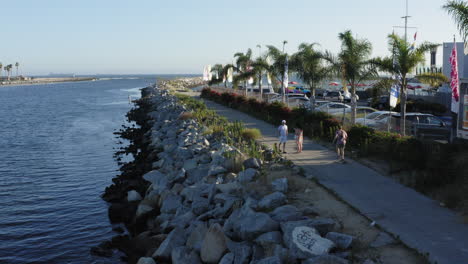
x,y
260,85
403,107
353,104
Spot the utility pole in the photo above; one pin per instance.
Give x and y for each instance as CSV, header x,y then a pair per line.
x,y
282,78
406,23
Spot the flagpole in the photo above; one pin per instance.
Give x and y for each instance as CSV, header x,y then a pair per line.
x,y
456,114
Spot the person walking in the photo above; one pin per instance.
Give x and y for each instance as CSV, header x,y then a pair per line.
x,y
340,140
298,136
283,135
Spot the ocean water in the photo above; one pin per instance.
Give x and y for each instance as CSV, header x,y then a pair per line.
x,y
56,147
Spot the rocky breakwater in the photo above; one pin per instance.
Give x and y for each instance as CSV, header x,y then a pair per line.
x,y
181,84
187,203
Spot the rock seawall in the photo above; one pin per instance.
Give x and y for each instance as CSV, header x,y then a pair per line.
x,y
182,202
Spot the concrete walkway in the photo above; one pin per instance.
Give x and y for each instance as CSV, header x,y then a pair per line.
x,y
417,220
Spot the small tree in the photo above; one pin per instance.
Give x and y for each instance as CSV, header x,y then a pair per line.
x,y
17,65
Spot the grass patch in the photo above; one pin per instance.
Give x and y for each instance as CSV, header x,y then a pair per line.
x,y
251,134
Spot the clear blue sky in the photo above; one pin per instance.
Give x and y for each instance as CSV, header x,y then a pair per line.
x,y
155,36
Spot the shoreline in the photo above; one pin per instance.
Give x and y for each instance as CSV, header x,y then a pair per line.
x,y
47,81
192,195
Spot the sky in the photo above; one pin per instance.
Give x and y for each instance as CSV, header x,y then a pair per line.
x,y
181,36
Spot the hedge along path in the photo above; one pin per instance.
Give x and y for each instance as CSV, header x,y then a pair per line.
x,y
416,220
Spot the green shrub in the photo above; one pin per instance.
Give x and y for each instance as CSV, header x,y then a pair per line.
x,y
251,134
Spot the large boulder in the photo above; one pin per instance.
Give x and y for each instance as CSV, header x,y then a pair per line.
x,y
171,203
342,241
197,235
196,174
247,175
190,164
304,242
270,260
286,213
214,245
242,251
325,259
280,185
176,238
272,201
252,163
183,255
133,196
229,188
192,192
322,225
200,205
247,224
215,170
269,240
227,259
146,260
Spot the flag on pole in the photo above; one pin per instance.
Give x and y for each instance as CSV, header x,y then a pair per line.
x,y
415,34
285,78
454,79
414,42
394,94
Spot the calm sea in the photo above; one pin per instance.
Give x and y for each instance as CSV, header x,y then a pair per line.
x,y
56,147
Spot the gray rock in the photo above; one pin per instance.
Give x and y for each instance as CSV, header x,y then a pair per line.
x,y
368,261
179,177
156,178
227,259
286,213
342,241
229,188
171,203
133,196
190,193
231,177
270,260
200,205
183,255
196,175
247,175
246,224
241,250
195,239
214,245
325,259
252,163
257,253
223,198
190,164
143,209
215,170
269,240
146,260
304,242
182,220
383,239
272,201
158,164
322,225
280,185
177,188
310,211
176,238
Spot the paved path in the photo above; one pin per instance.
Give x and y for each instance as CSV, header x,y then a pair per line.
x,y
417,220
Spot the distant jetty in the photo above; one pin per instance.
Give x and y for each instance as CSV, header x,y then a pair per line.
x,y
28,80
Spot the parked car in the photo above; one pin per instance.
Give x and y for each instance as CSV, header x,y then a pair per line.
x,y
333,96
293,100
299,90
419,125
372,118
332,108
380,103
319,93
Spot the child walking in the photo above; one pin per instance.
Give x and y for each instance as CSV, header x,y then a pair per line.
x,y
298,136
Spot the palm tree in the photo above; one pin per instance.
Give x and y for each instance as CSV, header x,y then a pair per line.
x,y
243,63
260,66
459,11
353,64
10,68
1,67
217,69
17,65
279,60
403,62
308,64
